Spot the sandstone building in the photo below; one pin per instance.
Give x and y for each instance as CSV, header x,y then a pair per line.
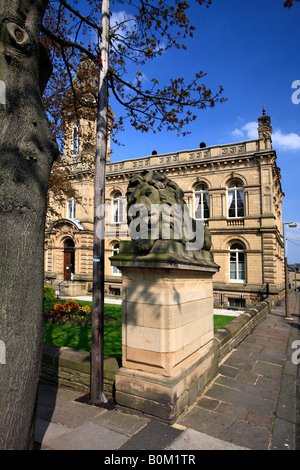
x,y
235,188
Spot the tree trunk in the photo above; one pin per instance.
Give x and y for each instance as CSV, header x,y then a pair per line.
x,y
27,152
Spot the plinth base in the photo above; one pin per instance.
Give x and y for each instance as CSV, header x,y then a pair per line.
x,y
166,398
167,330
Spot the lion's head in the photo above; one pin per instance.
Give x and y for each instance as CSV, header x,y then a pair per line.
x,y
157,210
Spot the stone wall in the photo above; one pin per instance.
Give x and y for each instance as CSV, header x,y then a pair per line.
x,y
62,366
227,338
68,367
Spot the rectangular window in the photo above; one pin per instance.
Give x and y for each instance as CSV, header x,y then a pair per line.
x,y
198,207
71,209
235,203
233,270
241,269
116,271
206,205
201,206
114,291
231,203
117,215
237,302
240,203
237,266
115,251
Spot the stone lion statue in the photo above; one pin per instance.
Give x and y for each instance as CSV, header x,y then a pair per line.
x,y
158,217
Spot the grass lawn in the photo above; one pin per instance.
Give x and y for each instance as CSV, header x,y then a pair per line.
x,y
80,337
221,320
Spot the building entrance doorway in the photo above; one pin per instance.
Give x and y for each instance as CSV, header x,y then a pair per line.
x,y
69,260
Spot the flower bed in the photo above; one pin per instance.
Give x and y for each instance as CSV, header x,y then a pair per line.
x,y
69,312
69,323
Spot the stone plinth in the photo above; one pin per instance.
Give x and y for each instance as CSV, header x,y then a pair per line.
x,y
167,331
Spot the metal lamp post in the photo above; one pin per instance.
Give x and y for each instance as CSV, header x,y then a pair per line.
x,y
286,274
97,357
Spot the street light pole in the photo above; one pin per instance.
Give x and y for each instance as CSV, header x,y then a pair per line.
x,y
286,273
97,356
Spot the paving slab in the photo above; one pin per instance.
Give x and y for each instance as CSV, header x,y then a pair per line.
x,y
272,357
154,436
73,414
194,440
46,431
283,435
229,371
286,408
249,389
206,421
239,398
241,362
267,369
121,422
259,419
246,434
89,436
52,395
233,411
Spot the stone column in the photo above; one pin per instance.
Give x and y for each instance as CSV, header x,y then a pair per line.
x,y
167,330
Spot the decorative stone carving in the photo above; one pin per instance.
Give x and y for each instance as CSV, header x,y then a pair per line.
x,y
159,222
167,323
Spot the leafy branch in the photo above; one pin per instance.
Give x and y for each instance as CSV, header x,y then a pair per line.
x,y
289,3
155,27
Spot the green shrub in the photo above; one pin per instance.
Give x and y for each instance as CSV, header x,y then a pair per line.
x,y
49,293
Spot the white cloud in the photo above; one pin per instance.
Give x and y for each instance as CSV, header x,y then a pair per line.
x,y
238,133
251,130
289,141
248,131
280,140
122,18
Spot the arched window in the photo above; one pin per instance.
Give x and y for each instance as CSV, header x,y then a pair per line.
x,y
71,209
201,202
237,262
75,139
235,199
117,208
115,251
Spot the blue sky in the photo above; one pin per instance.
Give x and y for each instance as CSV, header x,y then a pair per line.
x,y
252,49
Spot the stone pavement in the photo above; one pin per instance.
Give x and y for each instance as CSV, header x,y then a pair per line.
x,y
253,404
